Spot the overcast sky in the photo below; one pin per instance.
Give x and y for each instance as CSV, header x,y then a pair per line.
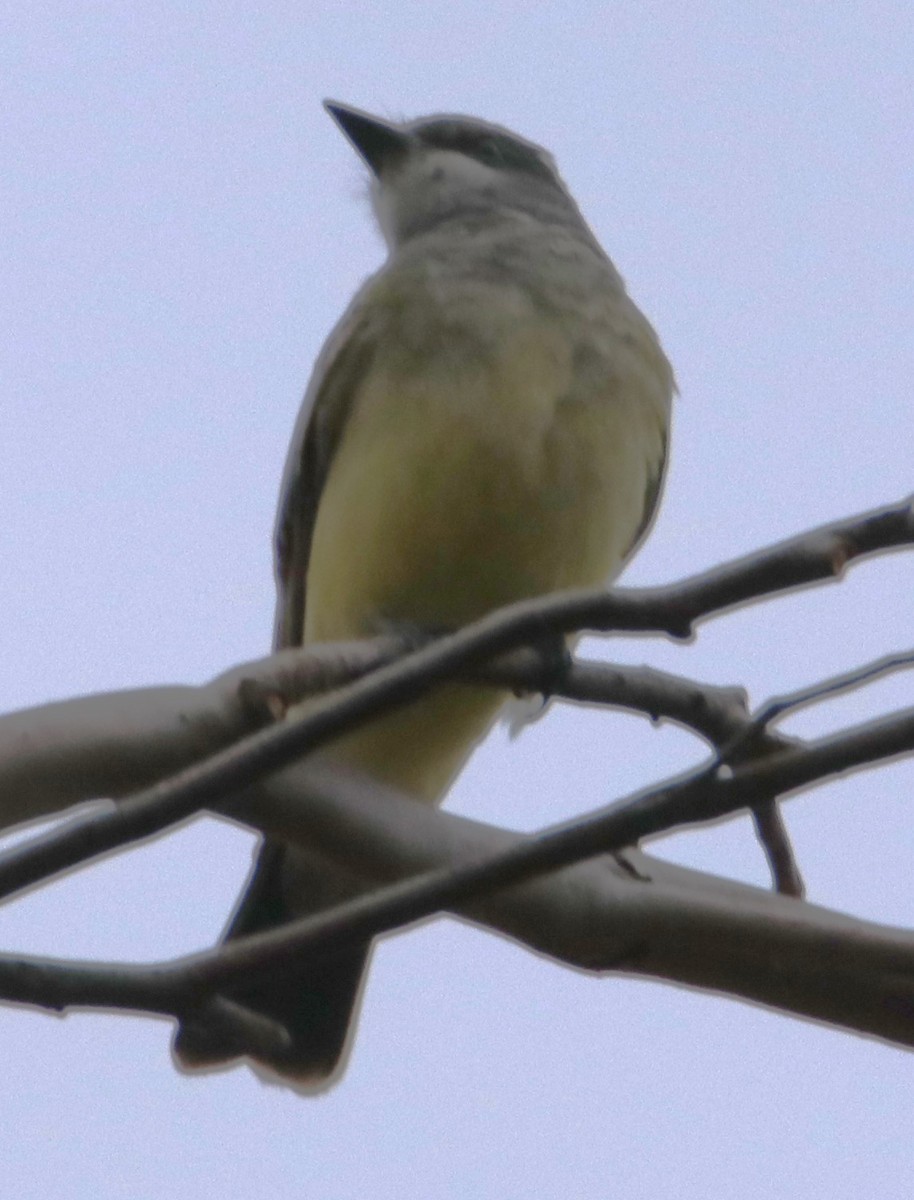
x,y
181,227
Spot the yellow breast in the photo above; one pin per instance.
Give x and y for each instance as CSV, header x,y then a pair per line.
x,y
465,485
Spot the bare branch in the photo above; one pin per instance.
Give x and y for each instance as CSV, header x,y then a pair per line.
x,y
61,753
637,915
699,796
102,745
814,556
652,919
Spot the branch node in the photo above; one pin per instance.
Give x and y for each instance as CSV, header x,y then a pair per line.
x,y
226,1021
843,551
260,705
681,629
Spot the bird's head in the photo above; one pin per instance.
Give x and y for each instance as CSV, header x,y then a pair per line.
x,y
434,169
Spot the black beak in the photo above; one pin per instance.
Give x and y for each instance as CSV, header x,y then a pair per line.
x,y
380,143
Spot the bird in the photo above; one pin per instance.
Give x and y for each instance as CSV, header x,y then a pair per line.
x,y
488,422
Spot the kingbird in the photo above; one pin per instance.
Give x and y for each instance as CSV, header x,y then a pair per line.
x,y
488,422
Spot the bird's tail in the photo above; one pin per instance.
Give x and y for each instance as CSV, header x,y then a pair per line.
x,y
316,1006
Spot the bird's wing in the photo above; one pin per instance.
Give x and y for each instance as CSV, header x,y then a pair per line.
x,y
318,430
315,1009
652,493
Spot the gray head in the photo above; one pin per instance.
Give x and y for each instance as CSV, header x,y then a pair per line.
x,y
439,168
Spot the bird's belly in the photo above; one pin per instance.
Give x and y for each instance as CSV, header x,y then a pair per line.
x,y
442,518
438,509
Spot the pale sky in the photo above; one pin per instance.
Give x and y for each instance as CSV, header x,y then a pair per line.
x,y
182,225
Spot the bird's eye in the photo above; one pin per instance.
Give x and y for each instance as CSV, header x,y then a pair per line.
x,y
490,152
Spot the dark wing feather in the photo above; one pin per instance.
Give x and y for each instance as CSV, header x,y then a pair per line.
x,y
316,1005
652,493
325,410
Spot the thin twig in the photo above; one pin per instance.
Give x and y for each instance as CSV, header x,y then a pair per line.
x,y
775,840
719,715
716,714
775,708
